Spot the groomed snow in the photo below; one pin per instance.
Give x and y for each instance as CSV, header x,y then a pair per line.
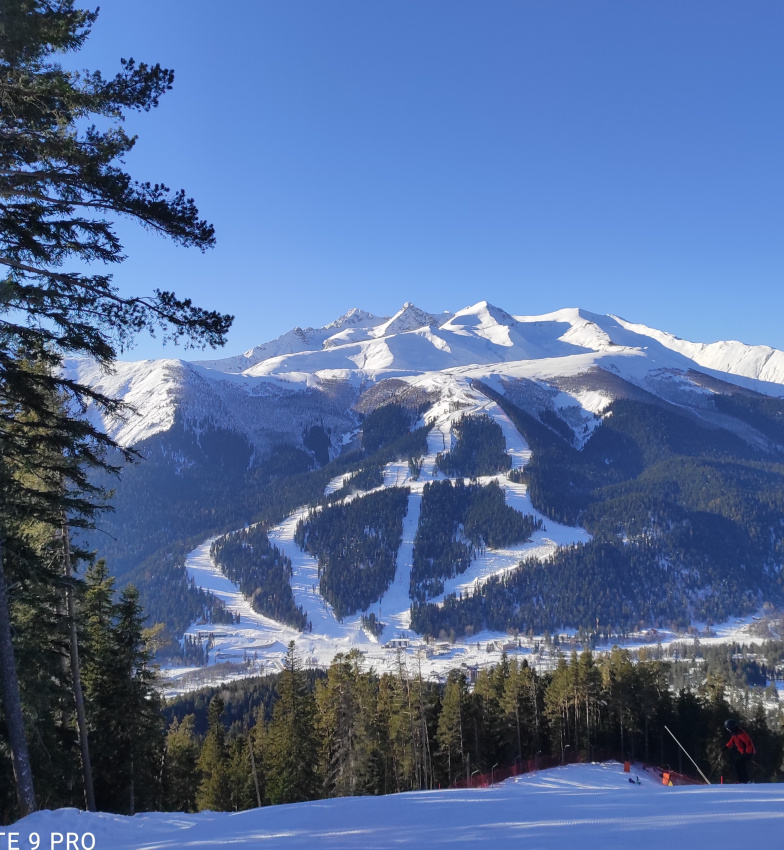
x,y
259,643
590,807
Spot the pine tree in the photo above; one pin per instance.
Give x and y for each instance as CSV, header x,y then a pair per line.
x,y
141,726
62,189
104,690
214,793
346,725
292,753
239,772
450,735
180,775
43,457
519,704
122,704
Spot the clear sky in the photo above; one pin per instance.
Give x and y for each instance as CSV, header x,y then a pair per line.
x,y
625,157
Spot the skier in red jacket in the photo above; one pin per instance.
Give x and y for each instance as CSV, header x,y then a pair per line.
x,y
742,742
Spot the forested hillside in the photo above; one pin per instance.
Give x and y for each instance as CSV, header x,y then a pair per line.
x,y
480,448
189,485
356,545
261,572
688,523
456,522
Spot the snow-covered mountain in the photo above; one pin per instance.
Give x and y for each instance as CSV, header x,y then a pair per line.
x,y
274,391
614,435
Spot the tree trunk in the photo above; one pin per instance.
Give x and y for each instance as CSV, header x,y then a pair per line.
x,y
253,767
76,678
12,704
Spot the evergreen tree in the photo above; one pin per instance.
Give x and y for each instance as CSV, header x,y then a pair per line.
x,y
214,793
519,703
104,692
141,727
122,704
180,775
62,189
450,735
291,756
346,725
239,774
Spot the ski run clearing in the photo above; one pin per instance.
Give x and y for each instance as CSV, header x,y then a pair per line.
x,y
257,644
590,806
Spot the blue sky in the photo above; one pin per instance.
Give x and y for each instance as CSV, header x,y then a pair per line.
x,y
625,157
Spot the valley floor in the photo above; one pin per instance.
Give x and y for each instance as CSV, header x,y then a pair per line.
x,y
579,806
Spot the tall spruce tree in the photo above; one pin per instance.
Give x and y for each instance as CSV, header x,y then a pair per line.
x,y
214,792
347,728
62,189
180,776
123,706
450,736
140,731
291,757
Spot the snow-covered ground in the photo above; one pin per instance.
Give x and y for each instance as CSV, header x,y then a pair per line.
x,y
260,643
591,807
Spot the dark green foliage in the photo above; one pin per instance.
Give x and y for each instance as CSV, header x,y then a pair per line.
x,y
356,544
761,412
63,188
367,477
412,444
122,703
617,585
687,523
41,650
316,440
242,701
553,421
348,729
455,522
480,448
165,507
385,425
214,792
291,757
738,666
370,734
372,624
193,486
261,572
180,773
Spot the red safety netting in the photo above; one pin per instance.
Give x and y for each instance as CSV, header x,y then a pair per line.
x,y
499,774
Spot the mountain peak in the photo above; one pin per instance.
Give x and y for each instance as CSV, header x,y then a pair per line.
x,y
354,316
408,318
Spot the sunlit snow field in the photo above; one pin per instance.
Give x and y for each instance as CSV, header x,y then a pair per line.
x,y
590,807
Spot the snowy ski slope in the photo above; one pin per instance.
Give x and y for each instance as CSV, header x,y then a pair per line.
x,y
590,807
262,641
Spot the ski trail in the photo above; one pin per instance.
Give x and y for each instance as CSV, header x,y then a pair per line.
x,y
267,638
394,606
305,581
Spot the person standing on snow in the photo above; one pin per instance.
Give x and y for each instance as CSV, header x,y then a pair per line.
x,y
742,742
